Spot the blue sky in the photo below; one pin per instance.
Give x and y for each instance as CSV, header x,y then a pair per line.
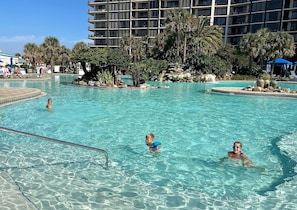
x,y
30,21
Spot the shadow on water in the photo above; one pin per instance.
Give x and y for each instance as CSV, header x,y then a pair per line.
x,y
287,167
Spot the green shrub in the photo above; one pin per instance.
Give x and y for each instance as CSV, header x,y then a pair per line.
x,y
243,77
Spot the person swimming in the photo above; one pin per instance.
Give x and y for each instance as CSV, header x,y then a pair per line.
x,y
154,146
236,154
49,104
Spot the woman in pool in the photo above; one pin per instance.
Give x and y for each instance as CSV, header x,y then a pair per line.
x,y
49,104
154,146
236,154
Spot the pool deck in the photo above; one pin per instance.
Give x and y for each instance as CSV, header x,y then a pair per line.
x,y
12,95
240,91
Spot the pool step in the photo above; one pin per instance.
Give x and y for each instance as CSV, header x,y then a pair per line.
x,y
10,195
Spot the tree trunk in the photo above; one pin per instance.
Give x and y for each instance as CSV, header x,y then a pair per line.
x,y
185,51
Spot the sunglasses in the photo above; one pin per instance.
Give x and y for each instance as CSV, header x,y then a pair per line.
x,y
236,147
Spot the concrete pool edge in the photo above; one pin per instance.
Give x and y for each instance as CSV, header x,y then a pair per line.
x,y
240,91
13,95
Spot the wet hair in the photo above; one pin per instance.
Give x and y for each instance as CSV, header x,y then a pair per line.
x,y
150,135
238,142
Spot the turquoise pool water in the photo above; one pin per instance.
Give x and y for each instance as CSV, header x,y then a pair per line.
x,y
196,129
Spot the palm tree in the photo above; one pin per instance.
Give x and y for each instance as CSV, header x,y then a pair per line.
x,y
31,53
77,54
266,45
177,22
64,56
207,39
50,50
281,44
137,49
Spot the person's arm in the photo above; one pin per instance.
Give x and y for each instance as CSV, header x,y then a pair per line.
x,y
246,161
222,160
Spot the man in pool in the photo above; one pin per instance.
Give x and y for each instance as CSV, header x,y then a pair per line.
x,y
154,146
236,154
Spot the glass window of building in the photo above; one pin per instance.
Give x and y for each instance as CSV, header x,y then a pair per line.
x,y
113,24
154,4
221,2
293,26
203,12
154,13
294,15
273,26
238,10
143,14
143,6
258,7
113,33
204,3
124,24
255,28
259,17
235,40
171,4
113,15
273,16
124,15
153,23
100,7
124,6
220,21
123,33
238,20
100,33
239,1
221,11
100,42
153,33
295,3
274,4
100,25
113,7
113,42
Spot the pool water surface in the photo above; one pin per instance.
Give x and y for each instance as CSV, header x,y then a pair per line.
x,y
196,128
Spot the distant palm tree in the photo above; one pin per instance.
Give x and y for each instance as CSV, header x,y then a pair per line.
x,y
64,56
137,48
78,54
31,53
266,45
193,33
178,22
50,50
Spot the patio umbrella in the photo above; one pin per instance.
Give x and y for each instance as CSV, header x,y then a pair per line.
x,y
11,62
281,61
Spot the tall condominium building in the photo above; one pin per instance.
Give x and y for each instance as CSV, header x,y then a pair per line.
x,y
111,19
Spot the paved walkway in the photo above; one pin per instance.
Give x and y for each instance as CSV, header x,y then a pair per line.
x,y
240,91
13,95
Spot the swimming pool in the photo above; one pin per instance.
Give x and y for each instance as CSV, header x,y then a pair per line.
x,y
196,129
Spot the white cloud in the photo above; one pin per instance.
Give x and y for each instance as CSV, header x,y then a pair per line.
x,y
30,38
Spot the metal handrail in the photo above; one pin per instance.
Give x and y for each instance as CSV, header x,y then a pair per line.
x,y
58,141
